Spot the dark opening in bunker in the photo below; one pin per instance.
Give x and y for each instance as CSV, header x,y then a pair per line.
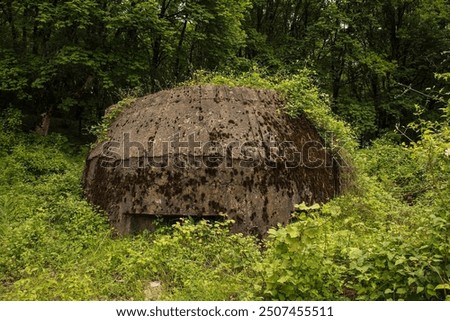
x,y
144,221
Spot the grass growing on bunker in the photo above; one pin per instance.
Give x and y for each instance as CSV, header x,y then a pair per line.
x,y
301,96
100,130
300,93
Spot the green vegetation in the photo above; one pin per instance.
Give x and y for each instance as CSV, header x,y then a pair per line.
x,y
387,238
100,130
301,96
54,246
372,73
375,59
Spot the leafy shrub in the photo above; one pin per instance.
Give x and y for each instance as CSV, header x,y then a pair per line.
x,y
394,167
369,244
334,255
194,260
11,120
299,263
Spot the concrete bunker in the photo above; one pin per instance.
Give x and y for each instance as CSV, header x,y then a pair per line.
x,y
205,150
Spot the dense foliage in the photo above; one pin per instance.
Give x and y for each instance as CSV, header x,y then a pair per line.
x,y
372,76
74,58
375,59
387,238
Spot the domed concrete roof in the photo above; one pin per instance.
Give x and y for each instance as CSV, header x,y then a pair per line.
x,y
206,150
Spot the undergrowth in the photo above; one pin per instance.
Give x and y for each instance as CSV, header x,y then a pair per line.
x,y
386,239
55,246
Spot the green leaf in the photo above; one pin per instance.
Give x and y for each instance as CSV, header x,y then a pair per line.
x,y
443,287
304,207
401,291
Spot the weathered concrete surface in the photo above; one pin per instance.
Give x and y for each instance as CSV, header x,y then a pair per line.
x,y
206,150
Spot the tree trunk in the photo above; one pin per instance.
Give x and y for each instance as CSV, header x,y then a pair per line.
x,y
10,19
44,125
179,49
